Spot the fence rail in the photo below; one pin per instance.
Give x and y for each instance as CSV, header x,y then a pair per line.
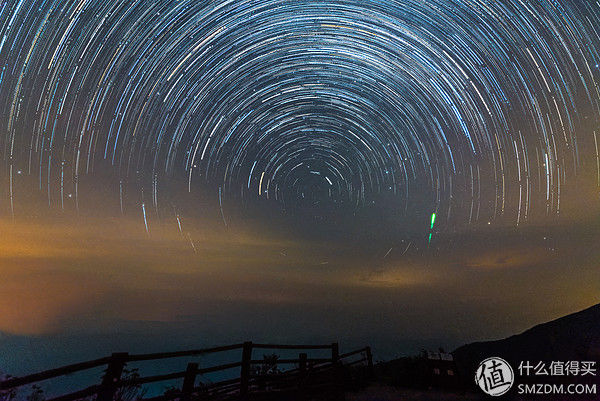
x,y
241,386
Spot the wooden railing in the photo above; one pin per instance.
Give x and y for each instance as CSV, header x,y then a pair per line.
x,y
112,379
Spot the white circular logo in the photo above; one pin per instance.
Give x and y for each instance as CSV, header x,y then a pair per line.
x,y
494,376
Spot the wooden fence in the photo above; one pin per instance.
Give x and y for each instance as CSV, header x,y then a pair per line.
x,y
308,372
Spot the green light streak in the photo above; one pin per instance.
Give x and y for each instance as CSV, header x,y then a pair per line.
x,y
432,223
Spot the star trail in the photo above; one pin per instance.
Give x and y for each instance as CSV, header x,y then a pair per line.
x,y
407,174
474,110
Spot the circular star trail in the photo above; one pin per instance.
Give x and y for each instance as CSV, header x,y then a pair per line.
x,y
474,110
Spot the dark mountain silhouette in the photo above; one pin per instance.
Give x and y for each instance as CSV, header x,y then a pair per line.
x,y
574,337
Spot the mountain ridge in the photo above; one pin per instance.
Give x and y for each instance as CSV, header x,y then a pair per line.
x,y
574,337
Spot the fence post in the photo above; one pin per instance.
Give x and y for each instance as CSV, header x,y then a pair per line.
x,y
112,376
302,357
337,372
189,381
370,363
303,373
335,353
245,371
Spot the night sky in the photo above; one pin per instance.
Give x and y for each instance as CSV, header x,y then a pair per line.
x,y
404,174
